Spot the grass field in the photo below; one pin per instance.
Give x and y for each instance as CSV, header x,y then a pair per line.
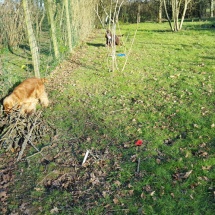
x,y
164,96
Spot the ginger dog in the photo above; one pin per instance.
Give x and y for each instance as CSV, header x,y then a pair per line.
x,y
26,96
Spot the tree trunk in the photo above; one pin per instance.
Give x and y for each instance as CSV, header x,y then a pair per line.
x,y
167,15
48,6
175,13
160,11
176,5
32,39
138,13
184,12
212,8
61,14
69,33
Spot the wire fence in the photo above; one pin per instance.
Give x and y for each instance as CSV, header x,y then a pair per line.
x,y
15,50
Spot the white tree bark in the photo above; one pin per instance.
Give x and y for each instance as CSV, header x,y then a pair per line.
x,y
184,12
176,6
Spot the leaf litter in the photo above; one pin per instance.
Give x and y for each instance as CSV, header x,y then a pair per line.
x,y
97,176
17,134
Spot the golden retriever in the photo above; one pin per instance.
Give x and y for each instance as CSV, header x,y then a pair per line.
x,y
26,96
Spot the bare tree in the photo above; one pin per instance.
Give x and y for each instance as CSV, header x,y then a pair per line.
x,y
11,24
160,9
32,39
39,18
184,13
177,7
211,8
49,9
113,15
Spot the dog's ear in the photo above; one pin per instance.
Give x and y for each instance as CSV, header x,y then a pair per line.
x,y
7,106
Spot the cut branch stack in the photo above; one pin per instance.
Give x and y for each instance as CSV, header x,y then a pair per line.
x,y
16,131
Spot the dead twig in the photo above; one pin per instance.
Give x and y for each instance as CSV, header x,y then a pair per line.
x,y
138,165
28,137
129,51
38,152
52,172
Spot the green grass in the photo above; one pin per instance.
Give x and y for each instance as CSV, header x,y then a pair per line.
x,y
166,91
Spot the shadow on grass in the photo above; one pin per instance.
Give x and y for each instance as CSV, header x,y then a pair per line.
x,y
43,47
85,65
45,50
155,30
25,47
1,100
208,58
96,44
27,67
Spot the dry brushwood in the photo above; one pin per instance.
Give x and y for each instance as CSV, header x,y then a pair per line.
x,y
16,131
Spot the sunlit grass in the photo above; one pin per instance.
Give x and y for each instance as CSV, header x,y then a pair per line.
x,y
164,96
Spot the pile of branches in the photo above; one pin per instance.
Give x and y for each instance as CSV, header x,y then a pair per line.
x,y
17,131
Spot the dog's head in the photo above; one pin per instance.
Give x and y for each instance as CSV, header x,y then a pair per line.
x,y
8,104
108,34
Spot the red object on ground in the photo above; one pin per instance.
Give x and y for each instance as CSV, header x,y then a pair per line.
x,y
139,143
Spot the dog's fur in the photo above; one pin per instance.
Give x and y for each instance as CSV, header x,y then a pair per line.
x,y
110,39
26,96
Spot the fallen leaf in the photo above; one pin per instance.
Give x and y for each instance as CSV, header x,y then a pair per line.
x,y
116,201
131,192
130,186
152,193
117,183
158,161
126,145
143,196
203,154
104,194
133,158
3,195
206,167
187,174
54,210
147,188
38,189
